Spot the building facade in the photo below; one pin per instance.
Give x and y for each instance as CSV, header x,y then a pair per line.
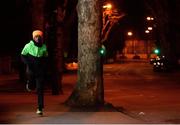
x,y
139,48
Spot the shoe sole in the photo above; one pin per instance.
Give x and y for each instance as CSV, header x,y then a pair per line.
x,y
27,88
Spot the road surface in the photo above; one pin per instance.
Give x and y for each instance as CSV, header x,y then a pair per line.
x,y
132,88
150,96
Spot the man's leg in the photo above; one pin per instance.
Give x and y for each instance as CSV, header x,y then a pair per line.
x,y
31,82
40,94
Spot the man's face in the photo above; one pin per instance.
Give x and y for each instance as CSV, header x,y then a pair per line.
x,y
38,39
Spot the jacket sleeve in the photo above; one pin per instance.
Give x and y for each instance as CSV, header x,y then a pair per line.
x,y
24,55
25,50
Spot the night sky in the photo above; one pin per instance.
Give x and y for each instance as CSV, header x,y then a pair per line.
x,y
135,14
14,22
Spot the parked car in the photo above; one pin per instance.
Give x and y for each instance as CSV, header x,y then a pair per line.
x,y
136,57
71,64
151,61
161,64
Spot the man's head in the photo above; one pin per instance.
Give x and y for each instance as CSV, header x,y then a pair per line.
x,y
38,37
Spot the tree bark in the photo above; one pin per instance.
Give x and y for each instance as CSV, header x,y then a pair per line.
x,y
59,42
89,89
38,14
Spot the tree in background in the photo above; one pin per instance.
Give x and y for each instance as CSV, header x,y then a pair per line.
x,y
51,21
60,23
167,20
115,41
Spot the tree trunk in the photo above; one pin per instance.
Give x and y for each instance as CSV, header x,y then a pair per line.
x,y
38,14
60,38
56,31
89,89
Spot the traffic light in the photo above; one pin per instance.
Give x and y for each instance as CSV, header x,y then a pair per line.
x,y
157,51
102,50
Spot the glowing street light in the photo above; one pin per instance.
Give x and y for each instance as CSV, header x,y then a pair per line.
x,y
107,6
129,33
150,28
150,18
107,11
156,51
147,31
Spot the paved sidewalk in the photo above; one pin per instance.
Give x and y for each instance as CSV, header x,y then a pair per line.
x,y
72,118
19,106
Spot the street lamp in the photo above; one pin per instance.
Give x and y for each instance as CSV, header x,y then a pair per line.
x,y
110,17
147,44
129,33
107,9
150,18
108,6
150,21
147,31
150,28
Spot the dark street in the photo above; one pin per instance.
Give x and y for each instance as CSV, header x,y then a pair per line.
x,y
151,96
132,88
90,62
